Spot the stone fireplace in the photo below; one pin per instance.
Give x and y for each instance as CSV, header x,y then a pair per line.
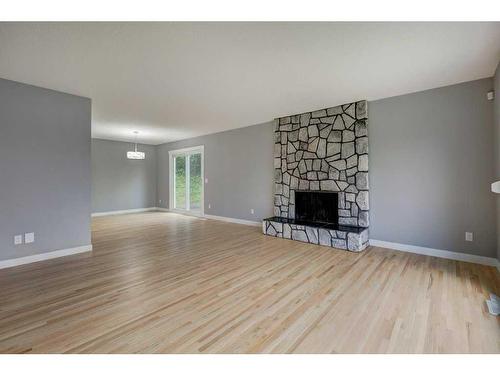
x,y
321,177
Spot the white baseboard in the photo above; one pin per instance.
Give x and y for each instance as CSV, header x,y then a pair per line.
x,y
185,213
437,253
214,217
236,221
121,212
44,256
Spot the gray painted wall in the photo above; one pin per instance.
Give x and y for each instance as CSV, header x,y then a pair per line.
x,y
239,168
496,114
119,183
44,169
431,165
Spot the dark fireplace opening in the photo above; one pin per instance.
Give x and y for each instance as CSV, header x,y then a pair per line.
x,y
317,206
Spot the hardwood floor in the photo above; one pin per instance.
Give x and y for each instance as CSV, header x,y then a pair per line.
x,y
161,282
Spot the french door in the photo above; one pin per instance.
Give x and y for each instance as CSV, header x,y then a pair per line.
x,y
186,180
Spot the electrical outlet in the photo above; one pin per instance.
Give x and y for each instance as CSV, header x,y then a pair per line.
x,y
18,239
252,211
469,236
29,237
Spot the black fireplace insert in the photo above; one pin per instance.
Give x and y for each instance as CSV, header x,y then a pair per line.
x,y
316,206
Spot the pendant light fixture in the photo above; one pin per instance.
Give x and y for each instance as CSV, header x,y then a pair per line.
x,y
135,154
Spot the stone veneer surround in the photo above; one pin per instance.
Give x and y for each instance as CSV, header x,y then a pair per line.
x,y
324,150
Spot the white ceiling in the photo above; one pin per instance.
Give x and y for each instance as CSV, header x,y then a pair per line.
x,y
178,80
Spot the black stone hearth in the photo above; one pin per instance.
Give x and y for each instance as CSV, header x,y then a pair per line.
x,y
316,224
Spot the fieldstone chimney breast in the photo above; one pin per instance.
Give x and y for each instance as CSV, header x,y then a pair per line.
x,y
325,150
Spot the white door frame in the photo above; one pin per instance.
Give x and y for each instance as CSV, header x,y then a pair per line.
x,y
171,178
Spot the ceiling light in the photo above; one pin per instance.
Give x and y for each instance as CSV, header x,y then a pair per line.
x,y
135,154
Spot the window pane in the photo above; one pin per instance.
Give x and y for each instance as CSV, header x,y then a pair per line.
x,y
195,181
180,182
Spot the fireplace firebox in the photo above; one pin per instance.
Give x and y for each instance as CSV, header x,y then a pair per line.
x,y
316,206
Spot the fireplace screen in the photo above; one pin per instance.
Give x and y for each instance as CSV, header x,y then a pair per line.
x,y
316,206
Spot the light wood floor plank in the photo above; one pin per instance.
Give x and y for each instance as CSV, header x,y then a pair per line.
x,y
167,283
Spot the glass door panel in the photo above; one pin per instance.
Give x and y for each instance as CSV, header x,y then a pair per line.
x,y
180,182
195,183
